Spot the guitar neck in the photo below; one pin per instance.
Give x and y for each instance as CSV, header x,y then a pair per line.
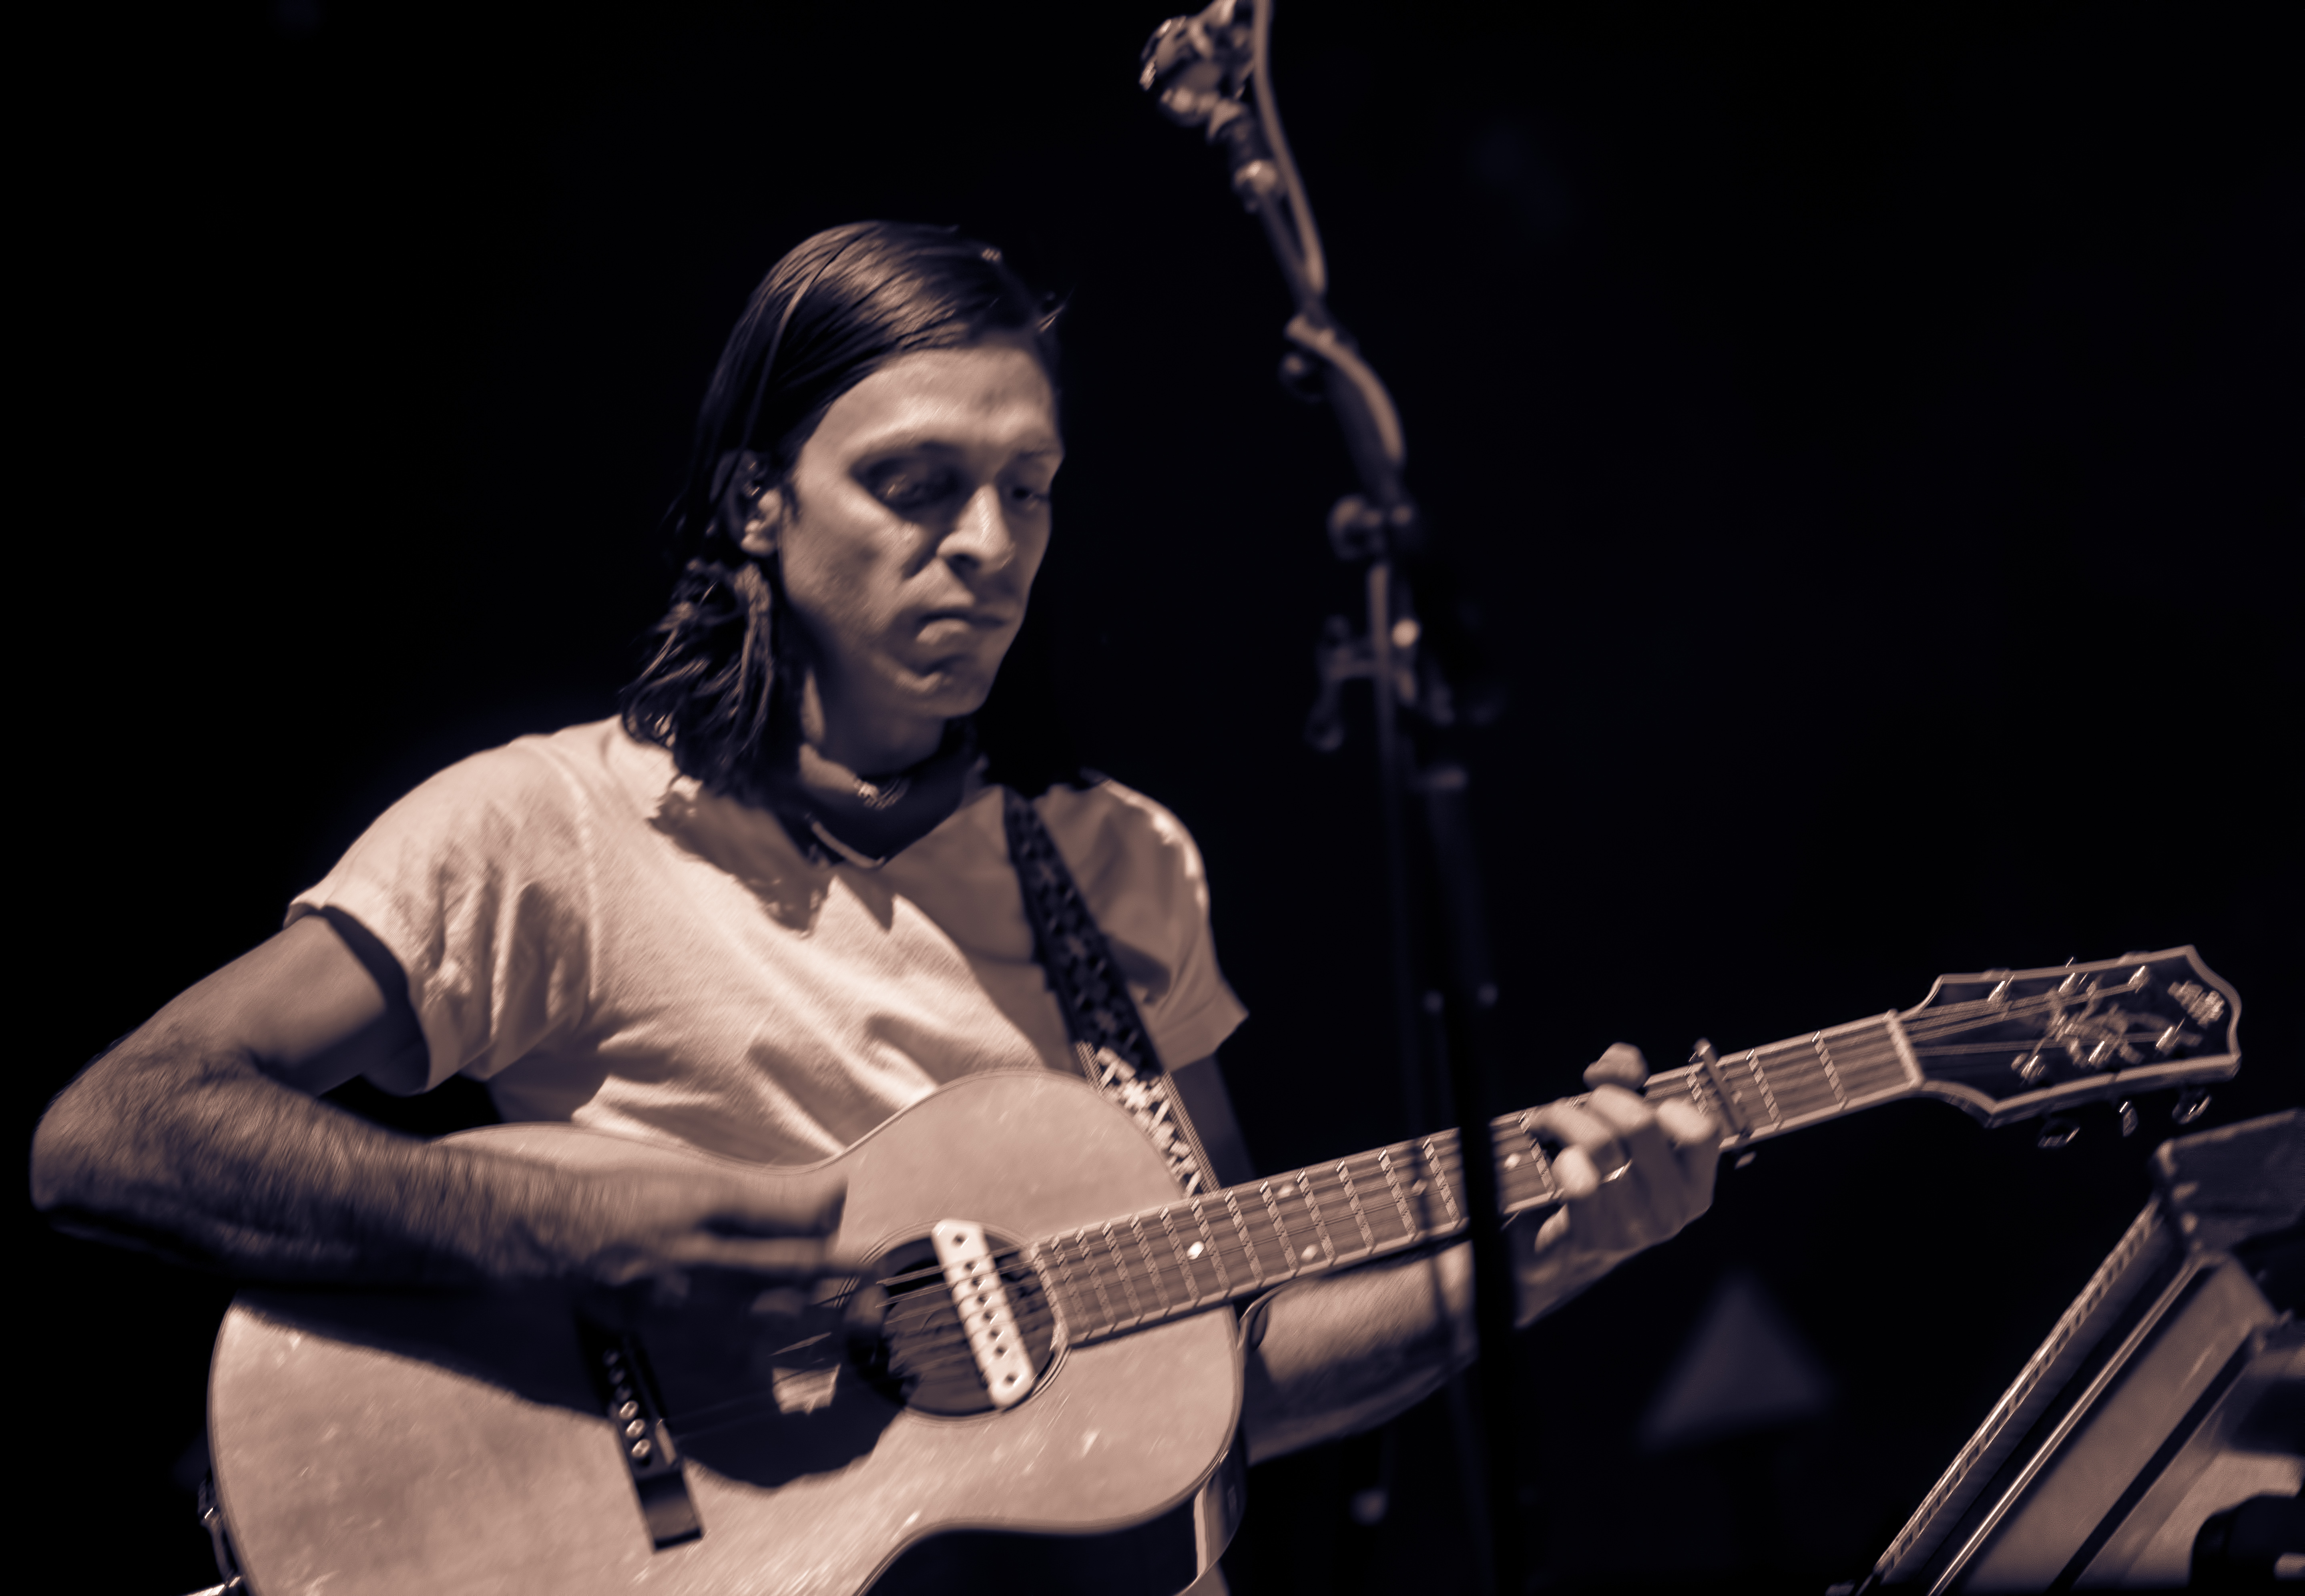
x,y
1211,1249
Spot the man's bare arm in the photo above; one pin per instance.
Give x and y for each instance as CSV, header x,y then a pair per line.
x,y
199,1136
1336,1355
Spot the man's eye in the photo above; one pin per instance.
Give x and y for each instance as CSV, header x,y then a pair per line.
x,y
1029,498
909,488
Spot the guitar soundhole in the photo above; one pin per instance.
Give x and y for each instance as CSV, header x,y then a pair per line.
x,y
920,1357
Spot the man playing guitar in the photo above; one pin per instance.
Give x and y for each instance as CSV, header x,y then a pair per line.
x,y
769,906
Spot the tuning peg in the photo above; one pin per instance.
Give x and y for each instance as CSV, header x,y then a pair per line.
x,y
2190,1105
2055,1132
2128,1112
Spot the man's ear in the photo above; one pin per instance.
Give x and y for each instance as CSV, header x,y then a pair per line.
x,y
751,502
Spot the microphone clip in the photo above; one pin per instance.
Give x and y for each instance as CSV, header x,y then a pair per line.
x,y
1199,66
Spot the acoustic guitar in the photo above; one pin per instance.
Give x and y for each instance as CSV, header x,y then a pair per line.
x,y
1047,1400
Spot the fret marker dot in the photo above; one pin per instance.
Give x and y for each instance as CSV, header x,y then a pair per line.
x,y
1194,1251
1512,1161
1311,1253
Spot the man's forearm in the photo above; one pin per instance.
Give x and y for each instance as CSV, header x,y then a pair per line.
x,y
191,1152
1332,1356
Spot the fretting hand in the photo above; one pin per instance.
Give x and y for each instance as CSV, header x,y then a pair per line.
x,y
1634,1173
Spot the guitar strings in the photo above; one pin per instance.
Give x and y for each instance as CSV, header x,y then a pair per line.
x,y
935,1341
939,1340
1789,1079
1119,1282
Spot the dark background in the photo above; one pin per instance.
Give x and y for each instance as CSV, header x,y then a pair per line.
x,y
1871,434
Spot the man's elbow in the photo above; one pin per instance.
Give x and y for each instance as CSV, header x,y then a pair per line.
x,y
68,1152
82,1142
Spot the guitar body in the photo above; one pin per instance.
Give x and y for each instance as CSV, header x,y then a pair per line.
x,y
386,1442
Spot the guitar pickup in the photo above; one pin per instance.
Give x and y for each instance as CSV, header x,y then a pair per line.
x,y
628,1396
982,1302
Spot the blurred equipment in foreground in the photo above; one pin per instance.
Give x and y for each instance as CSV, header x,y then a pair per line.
x,y
2154,1438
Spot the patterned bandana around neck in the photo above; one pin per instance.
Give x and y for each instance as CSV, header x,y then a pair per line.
x,y
833,813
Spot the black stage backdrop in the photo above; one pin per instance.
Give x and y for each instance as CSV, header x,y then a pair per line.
x,y
1871,436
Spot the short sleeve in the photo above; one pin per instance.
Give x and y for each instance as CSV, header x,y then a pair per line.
x,y
1140,873
479,885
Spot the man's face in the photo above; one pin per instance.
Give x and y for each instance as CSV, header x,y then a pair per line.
x,y
918,517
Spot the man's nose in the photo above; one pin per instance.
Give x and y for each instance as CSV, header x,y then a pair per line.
x,y
979,542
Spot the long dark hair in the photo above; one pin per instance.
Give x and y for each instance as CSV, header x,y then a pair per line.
x,y
717,688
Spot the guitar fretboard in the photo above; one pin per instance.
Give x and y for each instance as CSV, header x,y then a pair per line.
x,y
1766,1092
1220,1247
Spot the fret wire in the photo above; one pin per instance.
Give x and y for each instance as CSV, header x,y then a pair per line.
x,y
1059,1285
1448,1197
1215,1253
1094,1312
1791,1064
1530,1183
1313,1207
1393,1163
1202,1278
1236,1259
1330,1195
1777,1078
1804,1065
1768,1098
1342,1191
1353,1204
1864,1092
1510,1178
1120,1265
1797,1086
1398,1163
1851,1065
1870,1070
1226,1266
1247,1240
1280,1225
1096,1277
1184,1264
1192,1288
1410,1229
1383,1207
1831,1076
1372,1214
1152,1262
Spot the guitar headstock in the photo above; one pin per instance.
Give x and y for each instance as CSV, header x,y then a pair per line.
x,y
2010,1044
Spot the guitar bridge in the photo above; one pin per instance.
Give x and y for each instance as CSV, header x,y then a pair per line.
x,y
628,1396
974,1275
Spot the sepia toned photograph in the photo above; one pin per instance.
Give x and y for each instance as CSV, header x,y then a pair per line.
x,y
1341,798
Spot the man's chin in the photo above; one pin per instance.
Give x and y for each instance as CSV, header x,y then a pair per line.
x,y
949,694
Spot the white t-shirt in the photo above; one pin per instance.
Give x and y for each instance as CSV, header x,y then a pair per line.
x,y
606,944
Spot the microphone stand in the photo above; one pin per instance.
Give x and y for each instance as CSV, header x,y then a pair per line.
x,y
1200,67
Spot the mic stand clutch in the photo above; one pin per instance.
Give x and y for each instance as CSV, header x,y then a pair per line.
x,y
1200,67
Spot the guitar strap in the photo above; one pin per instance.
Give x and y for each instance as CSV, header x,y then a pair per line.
x,y
1109,1038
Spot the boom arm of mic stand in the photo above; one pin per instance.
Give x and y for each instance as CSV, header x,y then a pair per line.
x,y
1373,433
